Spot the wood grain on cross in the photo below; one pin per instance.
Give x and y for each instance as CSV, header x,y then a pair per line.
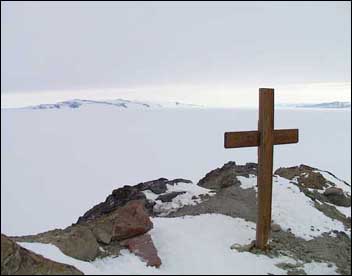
x,y
264,138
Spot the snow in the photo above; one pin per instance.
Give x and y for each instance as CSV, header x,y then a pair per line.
x,y
320,269
192,190
51,158
248,182
58,163
188,245
119,103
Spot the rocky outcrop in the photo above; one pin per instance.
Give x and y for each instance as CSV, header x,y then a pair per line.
x,y
105,229
82,241
116,199
143,247
226,176
306,176
315,185
122,196
325,194
16,260
78,242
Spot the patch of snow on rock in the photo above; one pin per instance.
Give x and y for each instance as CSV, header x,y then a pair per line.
x,y
190,197
248,182
315,268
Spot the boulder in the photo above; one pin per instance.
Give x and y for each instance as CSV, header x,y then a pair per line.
x,y
275,227
76,241
125,222
243,247
226,176
130,221
333,191
337,196
143,247
16,260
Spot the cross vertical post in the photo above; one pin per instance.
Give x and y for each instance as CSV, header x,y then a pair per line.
x,y
265,165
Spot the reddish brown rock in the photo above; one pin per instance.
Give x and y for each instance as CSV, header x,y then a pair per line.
x,y
131,220
143,247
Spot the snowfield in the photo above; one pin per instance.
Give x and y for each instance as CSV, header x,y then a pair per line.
x,y
59,162
196,245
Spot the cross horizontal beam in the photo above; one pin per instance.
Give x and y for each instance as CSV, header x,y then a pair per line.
x,y
240,139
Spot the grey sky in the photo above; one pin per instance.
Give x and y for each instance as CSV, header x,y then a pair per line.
x,y
128,44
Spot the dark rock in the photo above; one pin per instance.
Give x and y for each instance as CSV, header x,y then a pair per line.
x,y
333,191
336,196
122,196
118,198
227,175
331,212
179,180
156,186
143,247
16,260
169,196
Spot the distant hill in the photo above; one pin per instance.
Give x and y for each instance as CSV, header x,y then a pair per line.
x,y
335,104
119,103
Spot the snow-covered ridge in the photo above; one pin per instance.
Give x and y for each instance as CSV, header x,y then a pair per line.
x,y
335,104
119,103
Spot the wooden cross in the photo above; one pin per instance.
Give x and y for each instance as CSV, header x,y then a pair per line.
x,y
264,138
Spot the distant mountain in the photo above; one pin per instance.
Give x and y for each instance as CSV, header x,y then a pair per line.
x,y
77,103
328,105
119,103
335,104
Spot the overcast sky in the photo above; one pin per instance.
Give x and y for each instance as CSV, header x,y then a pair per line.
x,y
66,46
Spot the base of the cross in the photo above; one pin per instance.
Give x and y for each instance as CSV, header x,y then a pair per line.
x,y
251,247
